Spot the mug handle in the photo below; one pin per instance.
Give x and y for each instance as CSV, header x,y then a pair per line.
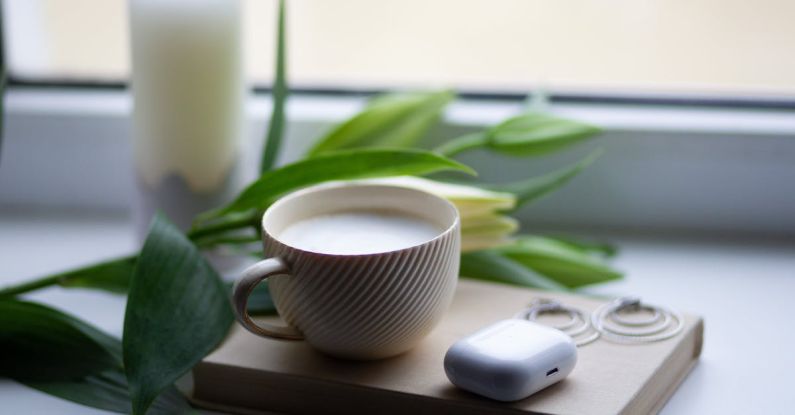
x,y
252,276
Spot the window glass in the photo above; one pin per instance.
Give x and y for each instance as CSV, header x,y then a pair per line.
x,y
725,47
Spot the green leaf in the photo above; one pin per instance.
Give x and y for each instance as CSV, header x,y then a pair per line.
x,y
232,222
559,261
392,120
491,265
535,187
177,311
342,165
227,240
109,391
106,390
528,134
63,356
41,343
599,248
278,119
537,133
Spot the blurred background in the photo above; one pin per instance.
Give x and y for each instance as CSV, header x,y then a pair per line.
x,y
697,99
718,48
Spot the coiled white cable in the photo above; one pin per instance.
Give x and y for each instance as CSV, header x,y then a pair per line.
x,y
609,322
578,327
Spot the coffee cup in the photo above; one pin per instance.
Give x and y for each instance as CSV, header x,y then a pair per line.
x,y
359,271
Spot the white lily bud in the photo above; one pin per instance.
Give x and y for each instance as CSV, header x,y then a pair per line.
x,y
482,224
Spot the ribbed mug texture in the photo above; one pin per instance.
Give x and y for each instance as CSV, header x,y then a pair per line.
x,y
366,306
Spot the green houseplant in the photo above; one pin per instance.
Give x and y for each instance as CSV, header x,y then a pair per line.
x,y
178,308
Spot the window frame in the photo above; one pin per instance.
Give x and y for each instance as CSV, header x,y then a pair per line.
x,y
669,168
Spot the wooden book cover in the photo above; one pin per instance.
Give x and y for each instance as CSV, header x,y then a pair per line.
x,y
251,375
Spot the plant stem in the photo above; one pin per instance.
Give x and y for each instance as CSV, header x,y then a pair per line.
x,y
116,271
237,222
232,240
277,121
15,290
461,144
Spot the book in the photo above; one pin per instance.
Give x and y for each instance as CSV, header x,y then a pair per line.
x,y
253,375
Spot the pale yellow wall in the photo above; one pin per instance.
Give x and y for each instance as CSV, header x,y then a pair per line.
x,y
731,46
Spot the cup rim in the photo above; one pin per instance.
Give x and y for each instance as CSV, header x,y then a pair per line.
x,y
327,186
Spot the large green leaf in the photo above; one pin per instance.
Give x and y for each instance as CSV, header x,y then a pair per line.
x,y
491,265
63,356
278,119
535,187
106,390
392,120
568,265
109,391
524,135
342,165
41,343
177,311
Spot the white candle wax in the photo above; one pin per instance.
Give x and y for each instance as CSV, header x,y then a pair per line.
x,y
187,80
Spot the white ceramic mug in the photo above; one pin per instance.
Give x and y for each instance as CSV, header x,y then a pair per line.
x,y
364,306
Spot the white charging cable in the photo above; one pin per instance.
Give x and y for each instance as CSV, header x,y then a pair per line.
x,y
578,327
610,321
